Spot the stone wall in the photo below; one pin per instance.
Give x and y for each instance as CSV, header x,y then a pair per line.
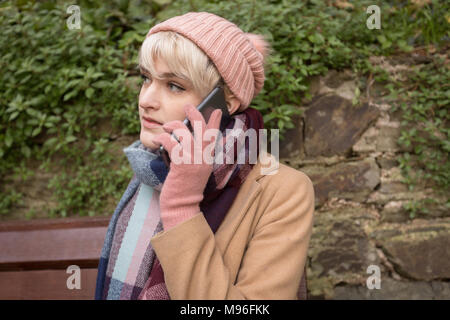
x,y
349,151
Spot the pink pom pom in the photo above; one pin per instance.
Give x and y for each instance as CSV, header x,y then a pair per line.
x,y
260,44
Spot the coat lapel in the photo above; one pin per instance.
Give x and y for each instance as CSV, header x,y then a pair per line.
x,y
248,192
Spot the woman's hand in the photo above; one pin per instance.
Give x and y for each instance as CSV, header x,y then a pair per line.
x,y
183,188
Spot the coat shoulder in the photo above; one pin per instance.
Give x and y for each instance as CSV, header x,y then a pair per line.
x,y
285,177
288,188
287,196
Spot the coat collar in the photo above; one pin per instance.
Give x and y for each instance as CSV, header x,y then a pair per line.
x,y
260,169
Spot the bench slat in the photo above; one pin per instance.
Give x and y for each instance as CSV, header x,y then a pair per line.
x,y
52,248
59,223
45,285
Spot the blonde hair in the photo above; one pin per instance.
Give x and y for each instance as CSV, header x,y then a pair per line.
x,y
184,59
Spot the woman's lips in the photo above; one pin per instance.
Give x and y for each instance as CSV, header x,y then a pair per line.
x,y
150,123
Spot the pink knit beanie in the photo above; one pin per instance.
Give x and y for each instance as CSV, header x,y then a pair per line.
x,y
238,56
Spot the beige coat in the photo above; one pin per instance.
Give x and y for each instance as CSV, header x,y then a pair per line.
x,y
259,250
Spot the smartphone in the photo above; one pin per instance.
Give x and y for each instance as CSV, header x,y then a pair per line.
x,y
214,100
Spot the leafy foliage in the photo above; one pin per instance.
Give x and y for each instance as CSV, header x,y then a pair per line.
x,y
423,102
56,85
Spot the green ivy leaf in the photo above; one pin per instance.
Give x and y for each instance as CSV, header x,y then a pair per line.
x,y
89,93
70,139
69,95
36,131
8,140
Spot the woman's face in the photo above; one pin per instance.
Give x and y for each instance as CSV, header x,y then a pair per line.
x,y
161,101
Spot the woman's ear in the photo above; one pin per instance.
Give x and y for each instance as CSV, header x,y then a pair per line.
x,y
233,104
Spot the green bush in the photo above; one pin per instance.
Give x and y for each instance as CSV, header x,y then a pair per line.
x,y
56,85
56,82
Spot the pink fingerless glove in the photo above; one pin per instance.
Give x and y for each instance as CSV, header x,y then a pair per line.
x,y
183,188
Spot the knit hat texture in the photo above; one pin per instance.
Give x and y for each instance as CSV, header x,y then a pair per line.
x,y
238,56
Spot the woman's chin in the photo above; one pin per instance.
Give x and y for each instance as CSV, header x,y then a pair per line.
x,y
146,140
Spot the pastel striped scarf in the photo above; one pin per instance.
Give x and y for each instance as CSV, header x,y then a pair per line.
x,y
128,267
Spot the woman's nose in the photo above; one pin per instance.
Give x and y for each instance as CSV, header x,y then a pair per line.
x,y
149,97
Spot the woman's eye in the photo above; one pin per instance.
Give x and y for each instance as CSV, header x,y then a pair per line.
x,y
174,87
144,78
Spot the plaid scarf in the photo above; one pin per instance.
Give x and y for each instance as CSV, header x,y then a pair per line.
x,y
128,267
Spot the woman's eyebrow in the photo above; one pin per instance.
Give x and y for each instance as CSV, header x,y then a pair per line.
x,y
165,75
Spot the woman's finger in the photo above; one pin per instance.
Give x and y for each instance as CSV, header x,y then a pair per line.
x,y
195,116
214,119
166,140
175,124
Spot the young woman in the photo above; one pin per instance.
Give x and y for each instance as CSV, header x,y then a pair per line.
x,y
199,230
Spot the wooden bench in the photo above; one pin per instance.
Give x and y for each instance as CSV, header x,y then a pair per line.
x,y
35,256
